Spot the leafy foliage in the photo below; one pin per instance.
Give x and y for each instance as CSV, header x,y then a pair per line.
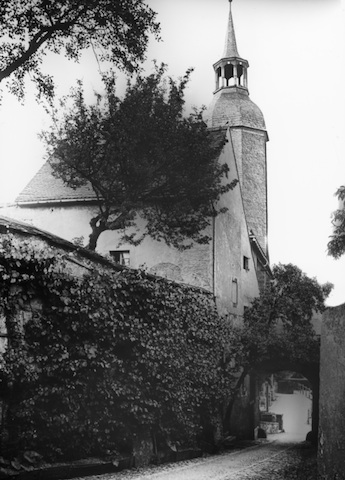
x,y
98,359
336,246
278,324
117,31
141,154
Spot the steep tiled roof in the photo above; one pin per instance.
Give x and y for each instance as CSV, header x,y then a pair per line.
x,y
44,187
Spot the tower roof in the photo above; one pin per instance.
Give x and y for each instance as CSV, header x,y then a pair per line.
x,y
230,47
231,105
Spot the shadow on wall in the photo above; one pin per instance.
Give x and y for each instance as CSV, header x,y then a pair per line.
x,y
167,270
173,272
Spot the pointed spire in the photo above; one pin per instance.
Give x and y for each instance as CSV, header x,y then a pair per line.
x,y
230,47
231,69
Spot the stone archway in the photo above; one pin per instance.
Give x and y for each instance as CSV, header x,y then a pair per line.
x,y
309,370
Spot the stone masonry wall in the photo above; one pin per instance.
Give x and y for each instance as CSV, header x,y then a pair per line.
x,y
254,184
331,454
250,152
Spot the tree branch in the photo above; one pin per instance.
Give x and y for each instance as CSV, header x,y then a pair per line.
x,y
42,36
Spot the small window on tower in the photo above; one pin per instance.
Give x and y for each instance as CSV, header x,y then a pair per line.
x,y
120,256
234,292
246,263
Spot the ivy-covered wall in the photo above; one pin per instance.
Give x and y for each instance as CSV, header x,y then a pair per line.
x,y
102,356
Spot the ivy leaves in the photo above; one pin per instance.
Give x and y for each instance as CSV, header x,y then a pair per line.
x,y
102,357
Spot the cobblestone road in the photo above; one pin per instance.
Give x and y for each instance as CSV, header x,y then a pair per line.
x,y
267,461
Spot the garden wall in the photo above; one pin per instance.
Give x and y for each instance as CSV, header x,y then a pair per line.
x,y
331,453
105,356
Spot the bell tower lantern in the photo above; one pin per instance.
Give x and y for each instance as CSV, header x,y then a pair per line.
x,y
231,70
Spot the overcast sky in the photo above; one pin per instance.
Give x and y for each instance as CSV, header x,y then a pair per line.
x,y
296,53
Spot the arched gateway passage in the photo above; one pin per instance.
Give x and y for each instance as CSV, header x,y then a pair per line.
x,y
310,371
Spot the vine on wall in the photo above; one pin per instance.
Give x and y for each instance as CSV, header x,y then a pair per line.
x,y
94,361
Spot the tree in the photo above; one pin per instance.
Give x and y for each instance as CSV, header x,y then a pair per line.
x,y
279,322
336,246
117,30
278,325
141,154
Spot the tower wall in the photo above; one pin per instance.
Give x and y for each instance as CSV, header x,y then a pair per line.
x,y
234,109
250,153
235,286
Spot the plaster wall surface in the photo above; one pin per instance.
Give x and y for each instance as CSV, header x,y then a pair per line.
x,y
331,452
231,246
65,221
193,266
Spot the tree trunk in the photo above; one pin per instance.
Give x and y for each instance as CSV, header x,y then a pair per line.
x,y
227,416
97,226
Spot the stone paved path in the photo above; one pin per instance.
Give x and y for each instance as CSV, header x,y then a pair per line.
x,y
267,461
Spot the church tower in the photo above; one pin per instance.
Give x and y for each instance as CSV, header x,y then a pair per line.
x,y
232,108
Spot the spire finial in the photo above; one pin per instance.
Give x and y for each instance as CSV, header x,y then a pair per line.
x,y
230,48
